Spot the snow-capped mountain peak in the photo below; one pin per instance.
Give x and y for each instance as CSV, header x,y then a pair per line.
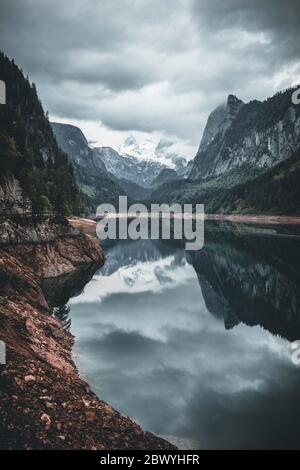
x,y
142,150
163,152
138,170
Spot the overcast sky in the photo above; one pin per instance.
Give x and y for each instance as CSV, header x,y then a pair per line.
x,y
151,68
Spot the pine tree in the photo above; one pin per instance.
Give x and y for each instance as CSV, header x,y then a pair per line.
x,y
62,314
29,150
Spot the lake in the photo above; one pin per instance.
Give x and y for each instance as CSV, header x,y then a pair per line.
x,y
196,346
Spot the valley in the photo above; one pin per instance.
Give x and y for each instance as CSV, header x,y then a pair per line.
x,y
143,316
247,162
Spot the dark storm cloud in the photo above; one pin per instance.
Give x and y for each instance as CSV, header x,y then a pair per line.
x,y
277,18
84,42
263,418
151,65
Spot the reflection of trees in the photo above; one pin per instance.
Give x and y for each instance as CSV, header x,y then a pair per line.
x,y
63,315
251,276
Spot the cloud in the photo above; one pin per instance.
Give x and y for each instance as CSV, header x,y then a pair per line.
x,y
143,353
163,144
151,66
277,20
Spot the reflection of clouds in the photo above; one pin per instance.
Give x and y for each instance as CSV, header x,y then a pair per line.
x,y
143,313
142,277
154,352
262,418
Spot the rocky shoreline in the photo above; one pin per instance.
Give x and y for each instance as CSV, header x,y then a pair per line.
x,y
44,404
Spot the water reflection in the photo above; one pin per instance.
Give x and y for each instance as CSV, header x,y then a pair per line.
x,y
165,338
251,276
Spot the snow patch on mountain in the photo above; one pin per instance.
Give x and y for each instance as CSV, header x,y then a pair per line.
x,y
163,151
140,171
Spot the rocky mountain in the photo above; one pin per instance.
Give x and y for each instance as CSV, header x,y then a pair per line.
x,y
35,173
73,141
248,138
162,152
167,174
102,173
248,160
98,185
275,191
136,193
180,165
132,168
139,150
218,120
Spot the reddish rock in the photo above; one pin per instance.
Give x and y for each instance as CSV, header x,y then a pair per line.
x,y
44,404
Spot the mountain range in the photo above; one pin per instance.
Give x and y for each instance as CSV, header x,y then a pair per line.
x,y
248,137
248,159
102,173
132,168
162,152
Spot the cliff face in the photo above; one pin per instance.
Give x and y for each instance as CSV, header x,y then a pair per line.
x,y
248,160
44,402
97,184
51,249
164,176
248,137
219,120
11,195
74,143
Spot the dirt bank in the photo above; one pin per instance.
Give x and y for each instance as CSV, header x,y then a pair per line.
x,y
84,225
44,404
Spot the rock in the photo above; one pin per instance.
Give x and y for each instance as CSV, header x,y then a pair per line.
x,y
58,334
46,420
18,381
42,357
254,136
29,378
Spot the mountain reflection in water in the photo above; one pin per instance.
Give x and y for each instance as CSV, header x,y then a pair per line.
x,y
197,345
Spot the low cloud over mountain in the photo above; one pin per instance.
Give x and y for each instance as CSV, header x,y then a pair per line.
x,y
151,67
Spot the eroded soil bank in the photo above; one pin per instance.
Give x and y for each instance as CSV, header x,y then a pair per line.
x,y
44,404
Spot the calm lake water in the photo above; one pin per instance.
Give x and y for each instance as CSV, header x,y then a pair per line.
x,y
196,345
